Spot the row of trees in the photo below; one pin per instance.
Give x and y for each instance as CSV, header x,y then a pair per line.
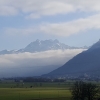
x,y
31,79
85,91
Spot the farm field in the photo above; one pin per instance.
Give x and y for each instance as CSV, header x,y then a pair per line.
x,y
33,94
34,91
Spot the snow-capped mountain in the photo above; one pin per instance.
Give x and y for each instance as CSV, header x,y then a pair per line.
x,y
38,46
42,45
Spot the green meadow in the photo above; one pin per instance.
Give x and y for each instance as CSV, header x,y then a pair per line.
x,y
34,91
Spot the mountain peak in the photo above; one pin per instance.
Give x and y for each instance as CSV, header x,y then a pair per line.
x,y
56,41
95,45
41,45
37,40
44,45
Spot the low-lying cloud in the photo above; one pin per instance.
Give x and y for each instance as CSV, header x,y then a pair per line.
x,y
31,64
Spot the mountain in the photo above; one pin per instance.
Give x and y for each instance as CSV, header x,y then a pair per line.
x,y
85,63
38,46
7,52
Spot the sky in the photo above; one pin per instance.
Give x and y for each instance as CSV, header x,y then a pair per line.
x,y
73,22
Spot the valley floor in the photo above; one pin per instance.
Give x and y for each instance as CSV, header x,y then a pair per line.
x,y
34,91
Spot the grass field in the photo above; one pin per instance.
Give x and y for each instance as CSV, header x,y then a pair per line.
x,y
33,94
34,91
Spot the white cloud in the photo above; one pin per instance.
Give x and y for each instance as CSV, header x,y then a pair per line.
x,y
24,64
52,8
18,31
85,5
7,10
60,29
39,8
72,27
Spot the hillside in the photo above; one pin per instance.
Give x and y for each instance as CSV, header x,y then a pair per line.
x,y
87,62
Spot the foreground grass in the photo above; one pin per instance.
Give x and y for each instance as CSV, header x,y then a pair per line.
x,y
34,93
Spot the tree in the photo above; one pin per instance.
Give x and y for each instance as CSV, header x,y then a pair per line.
x,y
84,91
78,91
92,91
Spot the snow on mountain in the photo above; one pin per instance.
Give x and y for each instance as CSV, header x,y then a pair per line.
x,y
40,45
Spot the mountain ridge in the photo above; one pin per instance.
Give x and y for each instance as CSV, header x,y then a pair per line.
x,y
42,45
86,62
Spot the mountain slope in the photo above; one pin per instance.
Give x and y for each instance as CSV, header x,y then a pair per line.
x,y
87,62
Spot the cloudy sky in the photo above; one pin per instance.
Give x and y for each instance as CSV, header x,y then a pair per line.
x,y
74,22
